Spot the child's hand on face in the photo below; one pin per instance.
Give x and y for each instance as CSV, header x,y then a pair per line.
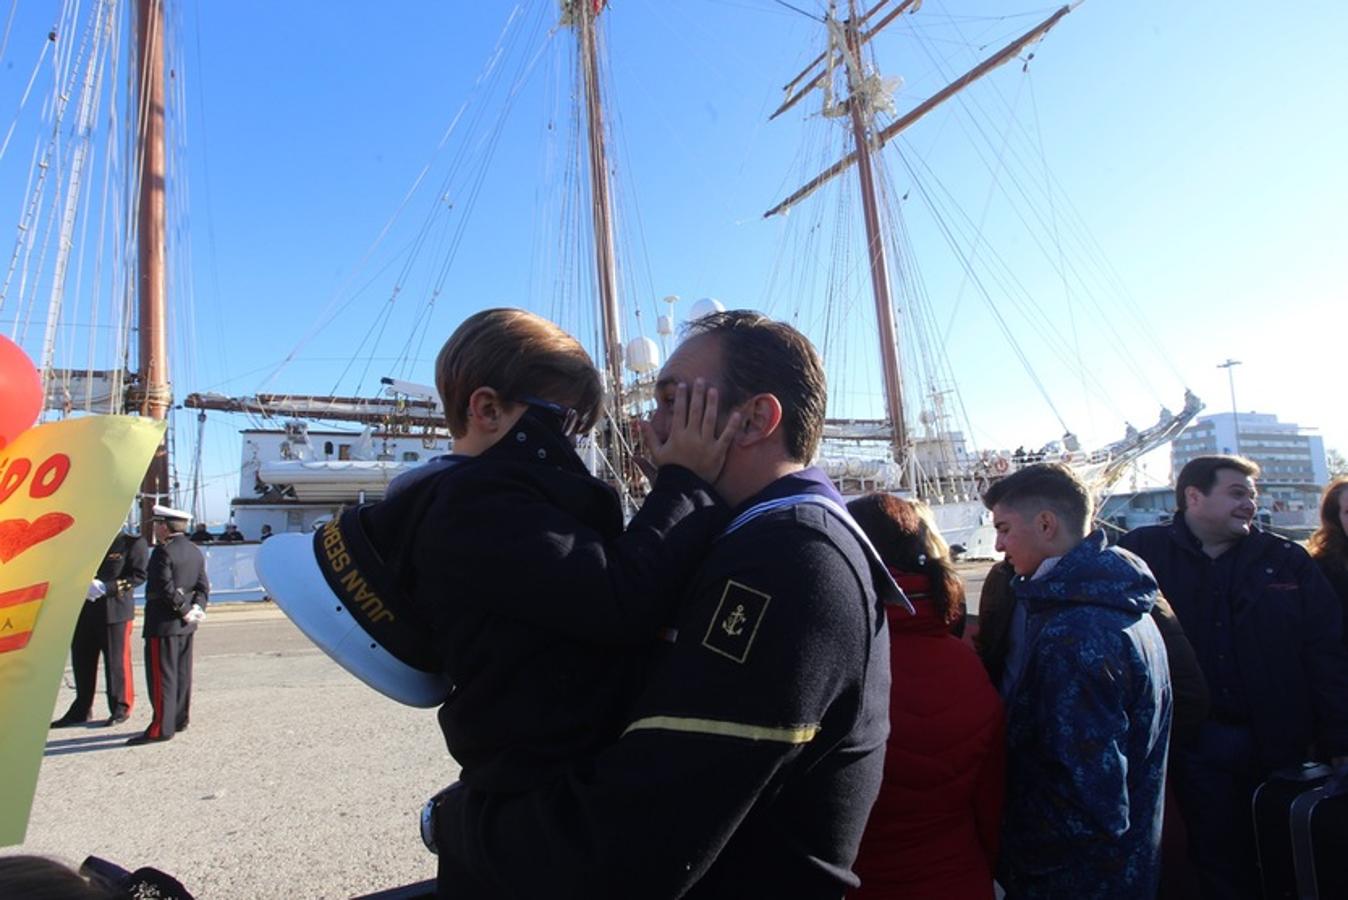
x,y
692,441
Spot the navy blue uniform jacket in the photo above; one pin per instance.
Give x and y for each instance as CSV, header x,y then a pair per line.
x,y
122,571
1287,632
749,763
540,605
176,579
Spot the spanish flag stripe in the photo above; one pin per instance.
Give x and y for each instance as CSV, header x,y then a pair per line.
x,y
19,618
23,594
14,641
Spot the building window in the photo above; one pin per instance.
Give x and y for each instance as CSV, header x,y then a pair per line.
x,y
343,451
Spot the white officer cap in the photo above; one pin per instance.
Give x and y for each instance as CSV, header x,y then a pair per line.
x,y
168,512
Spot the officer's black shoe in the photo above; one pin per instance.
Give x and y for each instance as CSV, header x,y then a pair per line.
x,y
70,721
139,739
113,720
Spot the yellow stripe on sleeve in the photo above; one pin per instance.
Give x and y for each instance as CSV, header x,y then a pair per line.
x,y
791,734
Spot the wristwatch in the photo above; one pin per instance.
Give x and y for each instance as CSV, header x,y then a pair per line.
x,y
428,818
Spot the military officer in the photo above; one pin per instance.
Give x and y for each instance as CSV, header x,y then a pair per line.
x,y
176,593
104,627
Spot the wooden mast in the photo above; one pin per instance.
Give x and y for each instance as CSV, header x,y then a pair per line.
x,y
606,269
886,134
153,395
875,240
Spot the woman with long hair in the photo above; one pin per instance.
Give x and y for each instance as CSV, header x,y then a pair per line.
x,y
933,831
1329,544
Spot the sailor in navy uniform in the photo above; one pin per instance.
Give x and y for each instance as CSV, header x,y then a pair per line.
x,y
176,593
104,627
748,764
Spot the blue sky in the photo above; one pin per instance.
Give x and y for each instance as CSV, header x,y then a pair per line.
x,y
1201,144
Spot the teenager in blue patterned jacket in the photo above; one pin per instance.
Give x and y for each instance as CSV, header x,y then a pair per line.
x,y
1088,698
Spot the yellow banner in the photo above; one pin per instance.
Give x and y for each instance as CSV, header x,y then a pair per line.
x,y
64,491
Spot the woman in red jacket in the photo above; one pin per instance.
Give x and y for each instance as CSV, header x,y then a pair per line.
x,y
933,830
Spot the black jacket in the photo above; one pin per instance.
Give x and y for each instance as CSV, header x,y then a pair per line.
x,y
1287,627
176,580
1336,571
122,571
750,761
539,604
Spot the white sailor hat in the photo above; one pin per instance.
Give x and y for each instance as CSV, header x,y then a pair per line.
x,y
337,595
168,512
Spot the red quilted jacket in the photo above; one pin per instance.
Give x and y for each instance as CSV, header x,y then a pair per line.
x,y
933,831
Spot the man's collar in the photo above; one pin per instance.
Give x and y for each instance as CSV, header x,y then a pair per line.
x,y
1187,539
810,480
1045,567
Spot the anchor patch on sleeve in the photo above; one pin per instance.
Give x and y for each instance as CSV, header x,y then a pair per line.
x,y
735,624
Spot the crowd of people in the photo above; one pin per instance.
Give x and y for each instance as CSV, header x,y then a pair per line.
x,y
231,535
808,724
754,688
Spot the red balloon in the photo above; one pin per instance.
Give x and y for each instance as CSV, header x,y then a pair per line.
x,y
20,391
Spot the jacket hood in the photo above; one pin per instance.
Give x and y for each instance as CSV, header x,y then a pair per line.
x,y
1093,574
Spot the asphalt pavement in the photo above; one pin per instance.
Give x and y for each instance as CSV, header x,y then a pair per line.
x,y
293,780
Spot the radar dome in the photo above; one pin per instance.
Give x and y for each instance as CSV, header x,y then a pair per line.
x,y
705,307
643,355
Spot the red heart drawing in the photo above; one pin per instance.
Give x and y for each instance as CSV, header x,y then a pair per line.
x,y
17,535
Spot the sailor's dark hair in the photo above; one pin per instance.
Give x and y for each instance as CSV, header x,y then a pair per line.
x,y
1201,472
1051,486
761,356
519,354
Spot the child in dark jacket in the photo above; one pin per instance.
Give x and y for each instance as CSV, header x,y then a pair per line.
x,y
512,560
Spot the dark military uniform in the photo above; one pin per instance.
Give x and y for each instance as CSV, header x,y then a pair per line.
x,y
536,601
177,579
750,761
104,627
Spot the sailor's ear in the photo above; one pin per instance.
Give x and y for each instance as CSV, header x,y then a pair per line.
x,y
486,409
760,419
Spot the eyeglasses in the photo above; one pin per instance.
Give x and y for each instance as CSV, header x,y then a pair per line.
x,y
567,417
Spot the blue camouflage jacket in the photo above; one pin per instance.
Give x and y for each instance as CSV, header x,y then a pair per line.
x,y
1087,732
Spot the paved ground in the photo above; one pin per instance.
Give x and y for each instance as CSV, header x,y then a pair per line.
x,y
295,780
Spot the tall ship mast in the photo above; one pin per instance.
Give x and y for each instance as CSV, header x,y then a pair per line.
x,y
941,475
153,395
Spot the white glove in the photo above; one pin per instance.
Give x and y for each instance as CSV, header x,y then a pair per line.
x,y
96,589
195,614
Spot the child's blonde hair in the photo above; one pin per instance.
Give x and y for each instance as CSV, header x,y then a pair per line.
x,y
520,355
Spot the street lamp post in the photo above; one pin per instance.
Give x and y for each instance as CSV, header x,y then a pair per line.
x,y
1235,415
